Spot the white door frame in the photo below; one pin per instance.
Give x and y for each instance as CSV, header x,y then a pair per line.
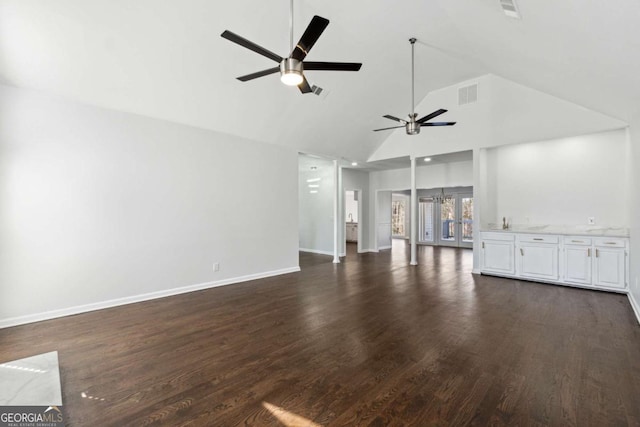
x,y
343,248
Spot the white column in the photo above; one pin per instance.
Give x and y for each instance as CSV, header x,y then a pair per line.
x,y
414,214
479,195
336,213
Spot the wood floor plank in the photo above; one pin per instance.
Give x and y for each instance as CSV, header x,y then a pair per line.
x,y
371,341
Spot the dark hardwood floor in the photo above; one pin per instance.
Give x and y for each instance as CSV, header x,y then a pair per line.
x,y
371,341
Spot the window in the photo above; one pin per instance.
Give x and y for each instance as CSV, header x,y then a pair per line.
x,y
397,218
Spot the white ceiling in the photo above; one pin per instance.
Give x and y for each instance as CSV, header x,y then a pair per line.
x,y
166,59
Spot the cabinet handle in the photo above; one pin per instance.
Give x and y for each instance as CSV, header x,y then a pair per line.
x,y
609,243
521,252
537,238
482,245
589,252
597,253
577,241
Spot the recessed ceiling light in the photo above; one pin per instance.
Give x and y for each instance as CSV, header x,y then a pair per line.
x,y
354,163
427,159
313,180
313,191
314,186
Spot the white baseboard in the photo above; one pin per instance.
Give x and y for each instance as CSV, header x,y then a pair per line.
x,y
48,315
364,251
316,251
382,248
635,306
476,271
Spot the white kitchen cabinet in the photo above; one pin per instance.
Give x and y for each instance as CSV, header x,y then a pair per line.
x,y
498,253
577,260
538,257
609,263
352,232
594,262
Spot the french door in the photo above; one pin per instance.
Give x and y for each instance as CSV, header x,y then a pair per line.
x,y
449,223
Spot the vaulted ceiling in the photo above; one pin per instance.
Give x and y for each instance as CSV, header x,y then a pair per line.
x,y
166,59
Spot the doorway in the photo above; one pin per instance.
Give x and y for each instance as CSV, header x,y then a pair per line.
x,y
352,222
446,222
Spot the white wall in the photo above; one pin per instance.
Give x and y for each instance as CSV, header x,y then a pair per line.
x,y
383,219
505,113
316,209
458,174
559,182
100,207
633,180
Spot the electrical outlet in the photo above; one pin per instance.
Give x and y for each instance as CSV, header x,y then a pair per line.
x,y
216,266
591,220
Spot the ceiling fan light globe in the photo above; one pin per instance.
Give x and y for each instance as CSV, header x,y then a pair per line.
x,y
291,72
291,78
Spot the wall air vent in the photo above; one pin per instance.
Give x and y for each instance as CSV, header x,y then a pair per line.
x,y
510,8
468,94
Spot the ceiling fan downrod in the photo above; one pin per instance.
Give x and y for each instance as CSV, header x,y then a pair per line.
x,y
412,40
413,128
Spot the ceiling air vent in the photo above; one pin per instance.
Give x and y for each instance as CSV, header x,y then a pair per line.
x,y
468,94
510,8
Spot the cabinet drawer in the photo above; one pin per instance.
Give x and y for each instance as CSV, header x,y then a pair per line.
x,y
578,241
538,238
610,242
508,237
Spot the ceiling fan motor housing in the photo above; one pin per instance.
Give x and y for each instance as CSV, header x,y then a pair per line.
x,y
290,66
413,128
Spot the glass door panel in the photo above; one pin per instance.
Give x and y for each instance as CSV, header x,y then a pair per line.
x,y
448,221
456,221
467,219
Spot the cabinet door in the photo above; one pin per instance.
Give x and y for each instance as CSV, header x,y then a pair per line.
x,y
354,233
497,257
609,269
538,261
577,264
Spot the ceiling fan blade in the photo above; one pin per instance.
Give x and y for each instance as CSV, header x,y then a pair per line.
x,y
394,127
432,115
438,124
250,45
332,66
304,86
310,37
258,74
387,116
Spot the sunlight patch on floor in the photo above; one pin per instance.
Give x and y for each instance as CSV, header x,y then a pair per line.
x,y
287,418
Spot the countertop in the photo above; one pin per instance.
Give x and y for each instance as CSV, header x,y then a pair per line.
x,y
567,230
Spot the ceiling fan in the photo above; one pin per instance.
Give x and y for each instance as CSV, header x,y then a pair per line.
x,y
292,67
412,125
